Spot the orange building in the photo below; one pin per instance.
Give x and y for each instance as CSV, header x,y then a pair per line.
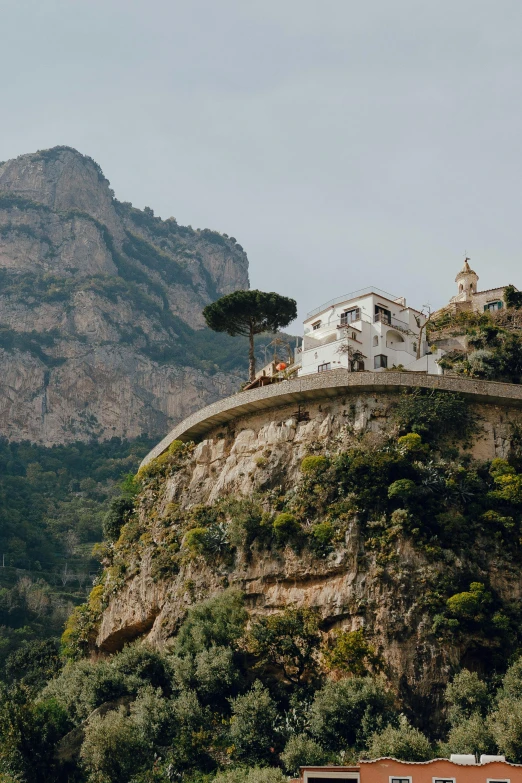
x,y
388,770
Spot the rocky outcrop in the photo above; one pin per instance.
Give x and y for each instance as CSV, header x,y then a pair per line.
x,y
260,455
100,306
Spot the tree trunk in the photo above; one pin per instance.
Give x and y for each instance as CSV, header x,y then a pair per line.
x,y
251,357
419,343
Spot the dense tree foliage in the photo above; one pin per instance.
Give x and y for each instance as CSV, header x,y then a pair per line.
x,y
52,505
249,313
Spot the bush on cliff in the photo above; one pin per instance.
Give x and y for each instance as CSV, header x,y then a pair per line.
x,y
286,528
437,416
219,620
288,640
254,732
301,750
345,714
400,741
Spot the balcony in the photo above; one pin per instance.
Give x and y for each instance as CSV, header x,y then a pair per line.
x,y
389,320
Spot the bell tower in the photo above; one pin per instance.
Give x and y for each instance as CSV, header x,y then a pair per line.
x,y
466,281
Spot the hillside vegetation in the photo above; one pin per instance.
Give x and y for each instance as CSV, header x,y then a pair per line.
x,y
482,345
52,503
237,695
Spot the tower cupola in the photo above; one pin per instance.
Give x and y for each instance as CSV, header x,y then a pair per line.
x,y
466,281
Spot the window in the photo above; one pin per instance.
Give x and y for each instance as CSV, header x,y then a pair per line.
x,y
376,340
492,306
354,335
443,780
382,314
495,780
400,780
350,315
380,361
414,347
317,325
324,367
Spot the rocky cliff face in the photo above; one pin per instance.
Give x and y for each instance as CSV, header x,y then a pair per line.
x,y
100,306
379,572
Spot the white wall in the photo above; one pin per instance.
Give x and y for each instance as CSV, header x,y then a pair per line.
x,y
322,345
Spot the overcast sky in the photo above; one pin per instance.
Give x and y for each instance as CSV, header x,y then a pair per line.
x,y
343,143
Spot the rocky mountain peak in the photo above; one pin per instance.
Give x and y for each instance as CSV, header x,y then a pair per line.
x,y
100,306
62,179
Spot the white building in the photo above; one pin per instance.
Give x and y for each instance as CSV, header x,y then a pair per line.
x,y
365,330
469,299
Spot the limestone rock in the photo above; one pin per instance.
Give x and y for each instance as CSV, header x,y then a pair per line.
x,y
96,298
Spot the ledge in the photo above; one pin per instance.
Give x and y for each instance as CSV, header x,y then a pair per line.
x,y
329,384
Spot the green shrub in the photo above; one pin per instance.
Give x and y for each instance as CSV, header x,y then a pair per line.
x,y
412,445
34,663
140,664
349,652
346,713
82,686
217,621
513,298
253,731
196,540
116,517
247,523
402,742
469,604
314,464
466,695
287,640
505,724
301,750
286,527
402,489
512,681
469,735
321,536
215,674
508,488
112,749
500,467
436,415
29,732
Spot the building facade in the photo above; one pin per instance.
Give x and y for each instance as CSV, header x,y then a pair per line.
x,y
388,770
366,330
469,299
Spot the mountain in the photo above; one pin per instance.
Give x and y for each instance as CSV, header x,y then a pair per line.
x,y
101,332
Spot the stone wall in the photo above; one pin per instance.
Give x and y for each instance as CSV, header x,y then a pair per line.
x,y
340,384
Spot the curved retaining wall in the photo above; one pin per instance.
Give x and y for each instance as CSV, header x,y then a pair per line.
x,y
329,384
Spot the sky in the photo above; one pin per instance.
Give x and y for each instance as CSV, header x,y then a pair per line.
x,y
343,143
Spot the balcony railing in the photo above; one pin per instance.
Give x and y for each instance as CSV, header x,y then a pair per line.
x,y
356,295
389,320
